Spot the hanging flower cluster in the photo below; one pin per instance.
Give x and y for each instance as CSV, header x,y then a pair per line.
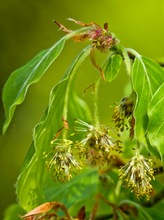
x,y
97,146
63,162
137,174
122,112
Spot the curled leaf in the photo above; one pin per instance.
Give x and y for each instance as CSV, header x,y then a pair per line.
x,y
44,209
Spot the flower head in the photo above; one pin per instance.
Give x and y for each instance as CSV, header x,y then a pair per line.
x,y
63,163
137,174
102,38
122,112
98,145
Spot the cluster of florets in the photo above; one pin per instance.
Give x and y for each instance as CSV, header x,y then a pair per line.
x,y
137,174
97,146
102,38
122,112
63,162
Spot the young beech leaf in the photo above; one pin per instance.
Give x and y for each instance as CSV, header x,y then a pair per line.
x,y
34,176
147,77
155,130
113,66
74,193
16,87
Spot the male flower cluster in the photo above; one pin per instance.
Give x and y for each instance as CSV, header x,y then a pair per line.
x,y
98,145
122,112
63,163
137,174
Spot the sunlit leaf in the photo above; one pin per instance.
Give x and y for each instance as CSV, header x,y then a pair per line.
x,y
16,87
113,66
147,77
34,176
155,130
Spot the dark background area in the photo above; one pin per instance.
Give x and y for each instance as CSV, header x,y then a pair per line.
x,y
26,27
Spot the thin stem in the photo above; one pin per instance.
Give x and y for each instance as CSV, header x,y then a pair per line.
x,y
137,151
71,74
96,111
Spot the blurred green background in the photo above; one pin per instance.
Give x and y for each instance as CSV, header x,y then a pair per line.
x,y
26,27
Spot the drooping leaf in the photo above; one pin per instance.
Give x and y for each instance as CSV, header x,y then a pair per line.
x,y
34,176
16,87
44,209
113,66
155,130
147,77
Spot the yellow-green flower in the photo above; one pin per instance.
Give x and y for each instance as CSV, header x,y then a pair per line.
x,y
98,145
63,163
137,174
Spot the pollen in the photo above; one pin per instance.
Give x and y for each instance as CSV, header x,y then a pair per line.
x,y
63,163
97,146
137,174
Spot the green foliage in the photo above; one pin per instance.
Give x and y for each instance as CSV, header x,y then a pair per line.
x,y
44,132
13,212
141,114
18,83
113,67
147,77
155,128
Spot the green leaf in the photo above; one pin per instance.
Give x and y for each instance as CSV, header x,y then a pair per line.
x,y
155,130
127,60
34,177
13,212
147,77
16,87
77,192
113,67
142,212
156,211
